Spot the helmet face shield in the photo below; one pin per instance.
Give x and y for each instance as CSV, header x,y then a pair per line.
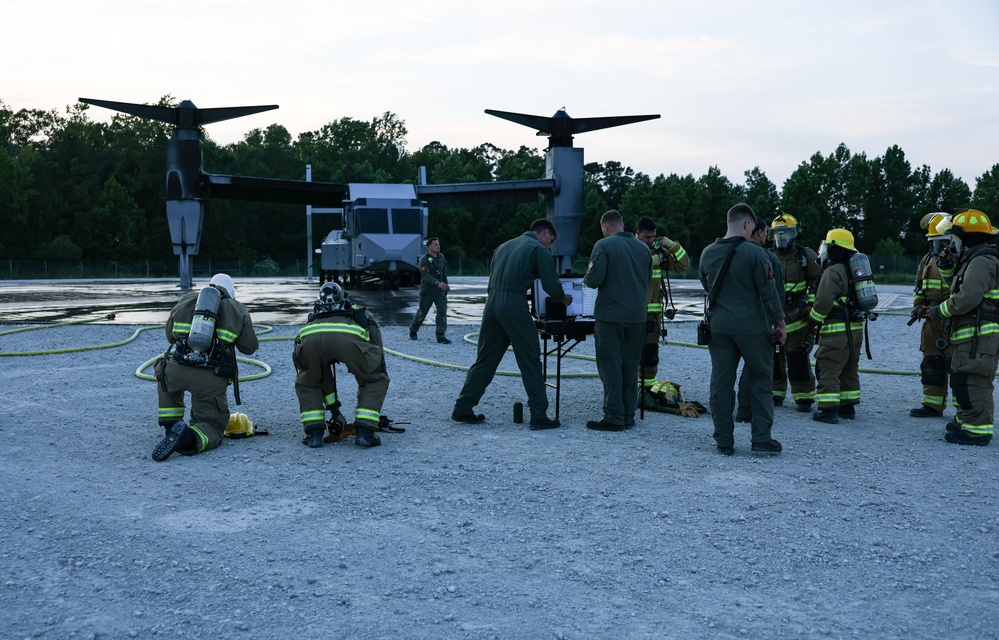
x,y
938,244
823,252
956,246
783,236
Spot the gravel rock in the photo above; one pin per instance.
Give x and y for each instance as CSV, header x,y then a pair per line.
x,y
869,528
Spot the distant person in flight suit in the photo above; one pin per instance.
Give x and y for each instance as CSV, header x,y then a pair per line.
x,y
433,290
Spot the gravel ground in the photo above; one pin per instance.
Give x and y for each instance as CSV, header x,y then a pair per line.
x,y
874,528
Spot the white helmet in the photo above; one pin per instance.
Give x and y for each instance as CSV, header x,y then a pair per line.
x,y
224,282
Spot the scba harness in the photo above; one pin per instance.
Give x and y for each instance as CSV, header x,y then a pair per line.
x,y
201,347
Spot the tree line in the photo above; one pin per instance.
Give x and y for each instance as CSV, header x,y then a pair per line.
x,y
75,189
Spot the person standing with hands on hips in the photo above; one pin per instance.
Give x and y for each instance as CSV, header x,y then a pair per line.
x,y
433,290
621,269
746,314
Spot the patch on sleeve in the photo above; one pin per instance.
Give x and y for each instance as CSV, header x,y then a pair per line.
x,y
423,269
589,267
770,274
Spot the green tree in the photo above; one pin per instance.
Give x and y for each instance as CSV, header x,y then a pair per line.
x,y
987,194
761,194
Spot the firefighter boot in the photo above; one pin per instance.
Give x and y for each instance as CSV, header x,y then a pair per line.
x,y
829,416
366,436
313,438
170,441
924,411
966,437
805,406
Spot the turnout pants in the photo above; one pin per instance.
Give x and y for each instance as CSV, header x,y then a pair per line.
x,y
439,301
936,365
209,404
315,358
648,365
791,364
836,365
971,381
618,351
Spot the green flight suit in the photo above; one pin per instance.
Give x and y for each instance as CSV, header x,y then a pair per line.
x,y
620,269
745,396
507,320
742,317
326,340
209,404
432,272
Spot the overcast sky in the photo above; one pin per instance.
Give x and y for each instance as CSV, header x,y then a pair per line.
x,y
738,84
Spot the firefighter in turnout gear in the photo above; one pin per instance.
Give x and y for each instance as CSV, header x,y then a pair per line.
x,y
801,269
339,331
204,330
973,313
667,255
930,291
841,332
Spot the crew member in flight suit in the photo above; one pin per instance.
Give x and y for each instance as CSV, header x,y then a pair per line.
x,y
507,320
433,290
620,269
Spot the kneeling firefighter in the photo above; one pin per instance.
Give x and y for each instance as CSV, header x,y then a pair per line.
x,y
973,313
339,331
204,329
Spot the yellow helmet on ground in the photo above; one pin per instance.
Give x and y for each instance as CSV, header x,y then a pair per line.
x,y
240,426
972,221
840,238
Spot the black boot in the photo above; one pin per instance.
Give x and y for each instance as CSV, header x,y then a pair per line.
x,y
829,416
924,411
170,441
966,437
366,437
313,438
847,411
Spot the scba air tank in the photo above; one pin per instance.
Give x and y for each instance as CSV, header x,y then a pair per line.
x,y
863,282
206,311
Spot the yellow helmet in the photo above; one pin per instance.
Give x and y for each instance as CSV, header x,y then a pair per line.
x,y
937,225
840,238
783,230
784,220
972,221
240,426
